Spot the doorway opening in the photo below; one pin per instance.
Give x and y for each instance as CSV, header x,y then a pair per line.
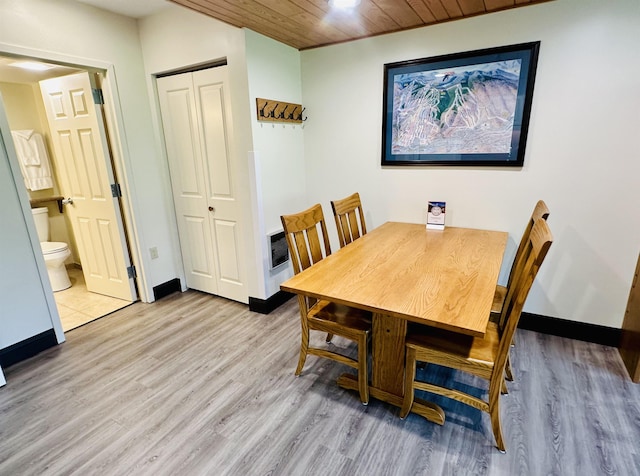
x,y
27,111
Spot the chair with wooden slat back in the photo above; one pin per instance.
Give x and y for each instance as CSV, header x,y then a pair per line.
x,y
346,212
540,212
306,248
483,357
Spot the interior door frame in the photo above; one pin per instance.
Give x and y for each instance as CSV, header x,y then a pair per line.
x,y
114,124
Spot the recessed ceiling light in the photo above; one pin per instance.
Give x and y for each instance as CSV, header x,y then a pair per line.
x,y
32,65
344,4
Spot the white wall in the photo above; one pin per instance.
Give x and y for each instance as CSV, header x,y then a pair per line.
x,y
269,158
24,311
81,34
581,156
279,168
27,306
177,38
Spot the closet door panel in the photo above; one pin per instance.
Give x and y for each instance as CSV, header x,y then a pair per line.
x,y
197,125
213,100
182,139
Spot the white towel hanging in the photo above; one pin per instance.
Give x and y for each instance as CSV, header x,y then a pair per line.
x,y
33,158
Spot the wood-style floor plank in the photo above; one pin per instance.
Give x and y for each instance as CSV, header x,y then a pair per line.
x,y
199,385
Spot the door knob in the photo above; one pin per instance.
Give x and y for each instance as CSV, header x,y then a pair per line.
x,y
67,201
211,209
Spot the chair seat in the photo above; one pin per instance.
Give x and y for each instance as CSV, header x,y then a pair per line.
x,y
498,299
340,316
444,347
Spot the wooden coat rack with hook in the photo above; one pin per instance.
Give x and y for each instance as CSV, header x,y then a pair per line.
x,y
270,110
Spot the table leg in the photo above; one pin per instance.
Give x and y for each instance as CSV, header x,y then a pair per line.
x,y
387,382
387,349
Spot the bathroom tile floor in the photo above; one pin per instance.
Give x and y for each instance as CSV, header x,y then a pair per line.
x,y
77,306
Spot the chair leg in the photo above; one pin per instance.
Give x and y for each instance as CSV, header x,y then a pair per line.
x,y
507,369
494,413
504,389
304,349
329,337
363,372
409,376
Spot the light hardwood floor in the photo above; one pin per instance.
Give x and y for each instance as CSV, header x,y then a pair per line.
x,y
198,385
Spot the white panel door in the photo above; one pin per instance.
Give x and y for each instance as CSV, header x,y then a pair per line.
x,y
86,175
197,130
182,138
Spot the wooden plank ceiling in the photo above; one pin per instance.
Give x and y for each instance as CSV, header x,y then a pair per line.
x,y
305,24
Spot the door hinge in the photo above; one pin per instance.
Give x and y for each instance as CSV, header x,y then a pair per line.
x,y
131,272
116,191
98,98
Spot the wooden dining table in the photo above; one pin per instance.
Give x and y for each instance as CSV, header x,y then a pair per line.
x,y
403,272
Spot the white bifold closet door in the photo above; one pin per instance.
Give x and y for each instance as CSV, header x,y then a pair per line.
x,y
195,108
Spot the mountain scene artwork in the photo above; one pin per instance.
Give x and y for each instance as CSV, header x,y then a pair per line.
x,y
459,110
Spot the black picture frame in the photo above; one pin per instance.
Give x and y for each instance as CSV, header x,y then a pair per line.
x,y
468,108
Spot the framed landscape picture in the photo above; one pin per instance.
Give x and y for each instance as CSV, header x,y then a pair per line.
x,y
467,108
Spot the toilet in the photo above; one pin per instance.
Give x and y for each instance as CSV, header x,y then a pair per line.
x,y
55,253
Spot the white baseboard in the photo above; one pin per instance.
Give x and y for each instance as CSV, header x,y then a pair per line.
x,y
2,380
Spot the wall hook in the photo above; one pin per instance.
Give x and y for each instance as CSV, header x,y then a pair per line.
x,y
290,116
279,111
282,115
261,110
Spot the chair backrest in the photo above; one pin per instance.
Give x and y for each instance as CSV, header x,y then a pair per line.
x,y
540,212
346,213
534,252
303,240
